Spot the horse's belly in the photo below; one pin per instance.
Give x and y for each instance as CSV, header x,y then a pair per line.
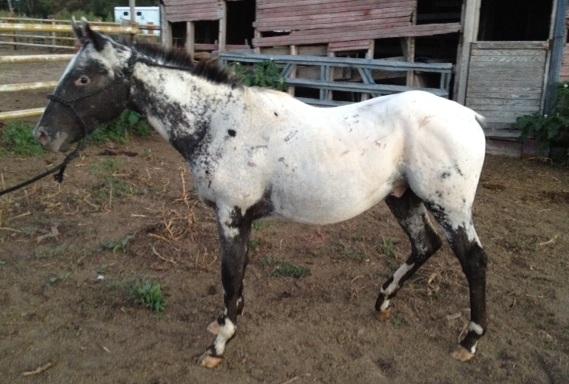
x,y
332,201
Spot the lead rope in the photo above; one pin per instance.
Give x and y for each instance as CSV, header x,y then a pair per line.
x,y
60,169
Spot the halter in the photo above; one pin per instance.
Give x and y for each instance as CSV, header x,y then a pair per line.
x,y
70,106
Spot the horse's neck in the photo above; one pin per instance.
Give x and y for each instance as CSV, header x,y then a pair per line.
x,y
178,104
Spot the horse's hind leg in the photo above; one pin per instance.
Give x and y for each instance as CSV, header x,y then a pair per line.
x,y
413,218
463,240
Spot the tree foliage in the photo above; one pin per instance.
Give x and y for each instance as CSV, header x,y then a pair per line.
x,y
102,9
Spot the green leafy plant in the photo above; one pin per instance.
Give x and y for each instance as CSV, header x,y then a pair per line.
x,y
148,294
107,171
549,130
120,245
17,138
266,74
388,247
286,269
121,129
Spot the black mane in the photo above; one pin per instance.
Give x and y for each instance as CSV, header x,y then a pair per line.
x,y
207,69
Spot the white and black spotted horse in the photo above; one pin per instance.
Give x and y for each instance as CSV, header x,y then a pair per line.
x,y
256,153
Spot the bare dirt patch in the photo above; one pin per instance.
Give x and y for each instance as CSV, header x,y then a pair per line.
x,y
318,328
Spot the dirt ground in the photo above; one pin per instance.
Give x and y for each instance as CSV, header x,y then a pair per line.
x,y
316,329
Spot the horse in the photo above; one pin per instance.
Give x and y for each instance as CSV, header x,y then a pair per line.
x,y
256,153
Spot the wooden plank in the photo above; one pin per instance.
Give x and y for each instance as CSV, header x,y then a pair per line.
x,y
510,45
190,37
327,22
327,35
348,45
502,103
25,27
507,52
558,37
470,21
35,58
36,86
222,38
492,60
21,114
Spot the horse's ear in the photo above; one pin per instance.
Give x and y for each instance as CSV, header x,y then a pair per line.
x,y
95,38
85,34
77,29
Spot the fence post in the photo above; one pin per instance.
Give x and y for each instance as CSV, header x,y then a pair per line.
x,y
53,39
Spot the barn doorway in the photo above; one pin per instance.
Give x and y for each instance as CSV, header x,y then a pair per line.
x,y
240,18
515,20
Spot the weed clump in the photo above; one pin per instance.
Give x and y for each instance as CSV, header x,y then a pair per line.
x,y
285,269
148,294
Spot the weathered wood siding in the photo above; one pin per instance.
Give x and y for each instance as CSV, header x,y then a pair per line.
x,y
506,80
564,75
193,10
337,21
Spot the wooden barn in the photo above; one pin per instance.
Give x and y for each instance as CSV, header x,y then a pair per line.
x,y
507,54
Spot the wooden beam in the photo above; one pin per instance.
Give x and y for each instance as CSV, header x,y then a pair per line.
x,y
37,45
26,27
558,38
34,58
191,37
21,114
37,86
293,52
223,27
408,45
470,23
165,29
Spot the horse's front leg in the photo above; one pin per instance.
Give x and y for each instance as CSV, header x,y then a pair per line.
x,y
234,230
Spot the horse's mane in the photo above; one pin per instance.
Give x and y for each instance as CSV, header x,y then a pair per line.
x,y
207,69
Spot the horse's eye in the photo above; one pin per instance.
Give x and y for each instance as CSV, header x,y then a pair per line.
x,y
82,80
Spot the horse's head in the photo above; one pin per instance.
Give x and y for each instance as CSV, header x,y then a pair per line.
x,y
93,89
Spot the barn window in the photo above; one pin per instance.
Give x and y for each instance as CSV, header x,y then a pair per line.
x,y
515,20
240,18
178,34
438,11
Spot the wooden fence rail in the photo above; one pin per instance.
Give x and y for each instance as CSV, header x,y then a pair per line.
x,y
35,58
15,25
38,27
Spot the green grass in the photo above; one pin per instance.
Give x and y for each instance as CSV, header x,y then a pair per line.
x,y
120,245
148,294
51,251
56,279
285,269
106,171
388,247
349,252
122,129
17,139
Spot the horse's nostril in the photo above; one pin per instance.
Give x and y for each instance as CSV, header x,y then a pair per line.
x,y
42,136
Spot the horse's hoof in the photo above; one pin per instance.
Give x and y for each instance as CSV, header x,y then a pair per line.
x,y
208,361
462,354
384,315
213,327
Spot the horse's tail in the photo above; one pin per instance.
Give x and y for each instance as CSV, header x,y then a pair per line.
x,y
481,120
